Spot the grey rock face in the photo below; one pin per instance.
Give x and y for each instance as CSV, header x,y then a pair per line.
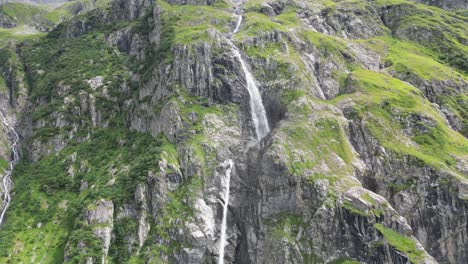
x,y
432,203
100,217
434,90
347,21
130,9
6,22
80,25
126,41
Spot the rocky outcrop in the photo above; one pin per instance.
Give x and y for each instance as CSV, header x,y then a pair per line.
x,y
437,91
130,10
81,25
347,21
100,218
428,198
6,22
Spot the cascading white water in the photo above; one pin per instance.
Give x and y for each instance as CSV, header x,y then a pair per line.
x,y
7,182
256,105
222,243
261,129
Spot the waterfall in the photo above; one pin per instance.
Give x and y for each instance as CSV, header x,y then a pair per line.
x,y
222,243
7,182
259,117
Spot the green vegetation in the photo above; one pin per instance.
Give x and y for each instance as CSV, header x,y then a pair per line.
x,y
387,101
22,13
173,217
12,69
459,106
285,66
401,243
196,141
48,211
3,165
345,261
315,143
124,228
3,85
398,187
111,161
29,19
353,210
257,24
67,64
441,31
329,44
18,34
407,58
163,54
414,63
376,209
192,23
366,197
182,25
53,190
288,96
57,16
283,231
285,226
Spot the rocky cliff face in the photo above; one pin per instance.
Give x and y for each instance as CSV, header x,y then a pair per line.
x,y
129,113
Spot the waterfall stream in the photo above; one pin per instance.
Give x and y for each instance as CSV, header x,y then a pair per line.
x,y
7,182
222,243
257,109
259,119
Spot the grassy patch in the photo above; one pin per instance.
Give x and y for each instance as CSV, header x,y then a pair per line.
x,y
318,148
328,44
401,243
444,32
192,23
3,165
17,34
288,96
22,13
3,85
407,58
387,101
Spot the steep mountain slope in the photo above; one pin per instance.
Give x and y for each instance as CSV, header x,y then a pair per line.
x,y
139,119
23,18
